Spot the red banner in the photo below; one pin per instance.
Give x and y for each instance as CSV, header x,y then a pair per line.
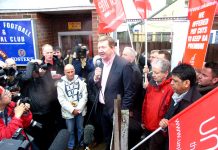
x,y
196,128
142,6
111,14
201,21
197,3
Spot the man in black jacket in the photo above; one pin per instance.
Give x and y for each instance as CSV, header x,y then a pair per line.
x,y
40,79
115,77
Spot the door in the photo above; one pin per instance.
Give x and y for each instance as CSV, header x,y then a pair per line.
x,y
68,40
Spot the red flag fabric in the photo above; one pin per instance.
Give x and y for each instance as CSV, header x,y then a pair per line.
x,y
198,3
196,128
142,6
111,15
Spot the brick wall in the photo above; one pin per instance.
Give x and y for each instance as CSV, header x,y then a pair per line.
x,y
94,30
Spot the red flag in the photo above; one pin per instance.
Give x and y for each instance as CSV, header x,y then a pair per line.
x,y
142,6
111,14
198,3
196,127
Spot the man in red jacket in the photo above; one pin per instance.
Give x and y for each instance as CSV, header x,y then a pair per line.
x,y
158,96
12,116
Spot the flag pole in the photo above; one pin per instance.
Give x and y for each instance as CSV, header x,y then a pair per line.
x,y
146,42
145,139
130,38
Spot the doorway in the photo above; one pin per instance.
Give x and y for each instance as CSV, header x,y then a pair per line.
x,y
68,40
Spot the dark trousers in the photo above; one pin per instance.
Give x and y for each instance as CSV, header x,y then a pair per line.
x,y
106,123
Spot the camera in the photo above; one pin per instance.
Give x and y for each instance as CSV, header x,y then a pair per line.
x,y
7,71
80,51
42,66
25,100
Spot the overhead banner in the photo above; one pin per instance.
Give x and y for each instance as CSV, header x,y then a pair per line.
x,y
196,128
201,20
17,40
111,15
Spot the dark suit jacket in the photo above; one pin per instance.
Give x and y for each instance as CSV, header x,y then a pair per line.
x,y
191,96
119,82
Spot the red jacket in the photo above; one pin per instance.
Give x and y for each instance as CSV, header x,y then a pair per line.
x,y
6,132
156,103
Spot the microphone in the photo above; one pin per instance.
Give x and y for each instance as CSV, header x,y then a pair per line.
x,y
99,63
89,134
61,140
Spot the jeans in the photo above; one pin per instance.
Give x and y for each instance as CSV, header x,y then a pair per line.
x,y
70,123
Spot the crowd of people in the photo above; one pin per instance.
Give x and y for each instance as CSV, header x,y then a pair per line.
x,y
68,92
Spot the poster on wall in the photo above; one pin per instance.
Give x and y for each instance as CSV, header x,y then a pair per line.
x,y
17,40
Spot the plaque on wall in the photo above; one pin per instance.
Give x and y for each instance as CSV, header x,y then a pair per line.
x,y
74,25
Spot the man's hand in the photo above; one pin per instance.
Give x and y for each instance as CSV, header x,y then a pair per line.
x,y
56,76
97,75
19,109
163,123
76,112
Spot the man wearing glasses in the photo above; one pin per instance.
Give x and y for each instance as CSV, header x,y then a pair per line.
x,y
12,116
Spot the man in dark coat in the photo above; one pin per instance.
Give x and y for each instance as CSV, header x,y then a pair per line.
x,y
115,77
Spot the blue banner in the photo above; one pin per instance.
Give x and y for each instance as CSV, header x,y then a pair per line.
x,y
17,40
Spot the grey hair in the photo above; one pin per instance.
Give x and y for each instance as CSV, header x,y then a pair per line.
x,y
163,64
132,51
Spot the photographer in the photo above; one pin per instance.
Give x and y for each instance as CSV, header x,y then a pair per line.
x,y
12,115
14,79
82,63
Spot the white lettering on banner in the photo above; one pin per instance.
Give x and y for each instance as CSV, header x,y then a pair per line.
x,y
22,58
201,14
196,45
202,22
196,38
193,145
209,132
17,39
3,39
105,8
202,30
17,27
193,31
178,135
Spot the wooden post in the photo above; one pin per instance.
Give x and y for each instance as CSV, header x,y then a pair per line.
x,y
124,129
117,120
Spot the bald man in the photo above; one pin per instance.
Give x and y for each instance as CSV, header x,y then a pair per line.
x,y
135,112
72,95
48,58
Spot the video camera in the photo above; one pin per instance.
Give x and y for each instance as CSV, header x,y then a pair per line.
x,y
4,73
7,71
17,142
42,66
80,51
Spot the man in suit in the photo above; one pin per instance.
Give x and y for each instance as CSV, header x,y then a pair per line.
x,y
113,78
